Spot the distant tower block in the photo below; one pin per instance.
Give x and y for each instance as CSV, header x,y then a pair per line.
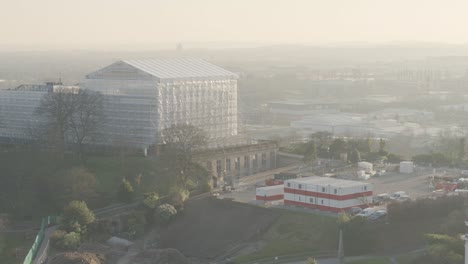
x,y
179,47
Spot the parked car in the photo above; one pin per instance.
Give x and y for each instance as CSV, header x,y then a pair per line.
x,y
354,210
398,194
366,212
377,215
381,198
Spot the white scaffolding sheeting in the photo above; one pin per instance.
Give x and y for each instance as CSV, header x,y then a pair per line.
x,y
145,96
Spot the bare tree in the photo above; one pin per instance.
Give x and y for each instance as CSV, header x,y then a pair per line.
x,y
181,141
87,119
58,109
72,117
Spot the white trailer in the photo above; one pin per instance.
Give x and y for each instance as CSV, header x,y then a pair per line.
x,y
270,193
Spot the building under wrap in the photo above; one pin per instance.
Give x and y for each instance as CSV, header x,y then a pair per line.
x,y
18,121
143,97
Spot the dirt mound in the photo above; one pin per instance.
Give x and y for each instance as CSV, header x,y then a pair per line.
x,y
160,256
210,227
76,258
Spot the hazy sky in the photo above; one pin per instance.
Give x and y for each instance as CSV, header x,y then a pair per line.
x,y
100,23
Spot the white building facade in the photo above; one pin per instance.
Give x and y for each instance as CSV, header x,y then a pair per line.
x,y
327,194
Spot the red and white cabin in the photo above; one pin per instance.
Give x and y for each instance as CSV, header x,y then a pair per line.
x,y
270,193
327,194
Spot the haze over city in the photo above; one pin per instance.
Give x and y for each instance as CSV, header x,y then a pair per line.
x,y
111,24
233,132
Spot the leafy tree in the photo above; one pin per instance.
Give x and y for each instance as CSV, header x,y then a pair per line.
x,y
337,147
461,149
454,224
311,261
166,212
322,140
382,150
77,213
355,156
125,192
442,249
310,154
343,218
393,158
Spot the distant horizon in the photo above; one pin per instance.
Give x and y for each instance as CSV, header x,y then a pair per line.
x,y
219,45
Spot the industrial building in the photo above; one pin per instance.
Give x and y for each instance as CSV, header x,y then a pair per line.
x,y
327,194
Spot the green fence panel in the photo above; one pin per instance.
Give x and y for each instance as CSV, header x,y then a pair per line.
x,y
46,221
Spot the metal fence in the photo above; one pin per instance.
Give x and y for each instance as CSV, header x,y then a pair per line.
x,y
46,221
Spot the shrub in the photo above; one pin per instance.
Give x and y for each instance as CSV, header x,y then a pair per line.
x,y
125,192
57,237
423,208
63,240
177,196
71,240
151,200
358,236
166,212
206,187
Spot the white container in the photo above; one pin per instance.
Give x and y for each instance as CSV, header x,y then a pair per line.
x,y
270,190
366,166
406,167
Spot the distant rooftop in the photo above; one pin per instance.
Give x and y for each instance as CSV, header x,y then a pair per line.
x,y
32,88
179,68
328,181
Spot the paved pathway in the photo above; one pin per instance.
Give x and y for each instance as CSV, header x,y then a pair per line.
x,y
41,255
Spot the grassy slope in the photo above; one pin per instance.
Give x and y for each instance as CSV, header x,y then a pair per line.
x,y
295,233
8,245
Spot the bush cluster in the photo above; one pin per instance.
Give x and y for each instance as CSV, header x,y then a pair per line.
x,y
424,208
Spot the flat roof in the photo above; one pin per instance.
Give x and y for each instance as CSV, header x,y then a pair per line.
x,y
271,187
328,181
179,68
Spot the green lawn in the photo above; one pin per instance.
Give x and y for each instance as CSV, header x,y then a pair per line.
x,y
377,260
296,233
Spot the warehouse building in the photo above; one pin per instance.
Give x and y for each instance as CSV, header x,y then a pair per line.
x,y
327,194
